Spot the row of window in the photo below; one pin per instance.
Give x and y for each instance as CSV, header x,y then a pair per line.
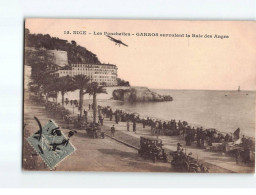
x,y
105,78
94,66
76,72
101,76
94,69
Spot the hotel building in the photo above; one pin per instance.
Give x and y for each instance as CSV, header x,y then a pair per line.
x,y
100,73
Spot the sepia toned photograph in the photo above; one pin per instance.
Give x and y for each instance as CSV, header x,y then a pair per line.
x,y
139,96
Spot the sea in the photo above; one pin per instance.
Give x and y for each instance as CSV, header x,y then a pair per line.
x,y
223,110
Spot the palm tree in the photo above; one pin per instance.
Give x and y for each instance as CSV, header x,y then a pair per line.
x,y
94,89
81,83
64,85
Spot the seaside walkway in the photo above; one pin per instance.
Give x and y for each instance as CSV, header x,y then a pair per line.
x,y
91,154
216,161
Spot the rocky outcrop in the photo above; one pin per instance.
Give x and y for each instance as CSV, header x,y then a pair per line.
x,y
139,94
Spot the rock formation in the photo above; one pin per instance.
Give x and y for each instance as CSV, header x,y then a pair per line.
x,y
139,94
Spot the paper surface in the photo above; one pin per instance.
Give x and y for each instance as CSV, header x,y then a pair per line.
x,y
141,95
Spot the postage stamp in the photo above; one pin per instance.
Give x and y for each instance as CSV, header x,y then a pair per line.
x,y
51,144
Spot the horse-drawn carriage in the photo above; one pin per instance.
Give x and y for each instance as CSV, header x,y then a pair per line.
x,y
94,131
151,148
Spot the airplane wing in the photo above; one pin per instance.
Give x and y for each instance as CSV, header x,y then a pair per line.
x,y
124,44
116,41
111,38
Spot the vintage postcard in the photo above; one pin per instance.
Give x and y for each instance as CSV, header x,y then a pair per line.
x,y
139,96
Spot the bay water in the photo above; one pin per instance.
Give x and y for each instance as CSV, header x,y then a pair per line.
x,y
223,110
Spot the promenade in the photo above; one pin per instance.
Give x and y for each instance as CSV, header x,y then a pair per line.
x,y
216,161
125,144
99,155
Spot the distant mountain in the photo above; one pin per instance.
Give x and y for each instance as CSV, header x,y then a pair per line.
x,y
76,53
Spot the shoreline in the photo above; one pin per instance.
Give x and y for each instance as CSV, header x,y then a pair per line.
x,y
221,90
214,160
224,120
196,125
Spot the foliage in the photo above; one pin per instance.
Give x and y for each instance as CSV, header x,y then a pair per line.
x,y
121,82
81,83
40,62
64,85
76,53
93,89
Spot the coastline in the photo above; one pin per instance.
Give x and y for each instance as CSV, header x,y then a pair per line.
x,y
118,105
214,160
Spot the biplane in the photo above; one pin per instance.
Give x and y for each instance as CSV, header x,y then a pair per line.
x,y
117,42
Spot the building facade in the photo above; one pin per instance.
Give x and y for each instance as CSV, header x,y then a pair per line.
x,y
59,57
101,73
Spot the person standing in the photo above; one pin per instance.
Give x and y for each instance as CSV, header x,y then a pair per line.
x,y
85,115
153,127
113,131
160,126
116,117
143,123
179,148
100,117
101,121
110,113
134,126
237,134
128,125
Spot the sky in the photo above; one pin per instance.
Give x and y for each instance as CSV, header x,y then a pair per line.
x,y
167,62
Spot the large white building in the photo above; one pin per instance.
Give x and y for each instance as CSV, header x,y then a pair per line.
x,y
101,73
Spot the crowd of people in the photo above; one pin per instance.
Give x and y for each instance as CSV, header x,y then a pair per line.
x,y
180,128
199,136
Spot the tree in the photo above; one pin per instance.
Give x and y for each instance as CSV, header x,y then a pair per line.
x,y
81,83
64,85
121,82
48,87
93,89
39,82
73,43
75,52
103,84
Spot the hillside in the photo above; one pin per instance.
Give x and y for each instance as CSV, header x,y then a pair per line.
x,y
76,53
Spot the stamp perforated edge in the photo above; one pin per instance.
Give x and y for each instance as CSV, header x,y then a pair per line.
x,y
51,168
